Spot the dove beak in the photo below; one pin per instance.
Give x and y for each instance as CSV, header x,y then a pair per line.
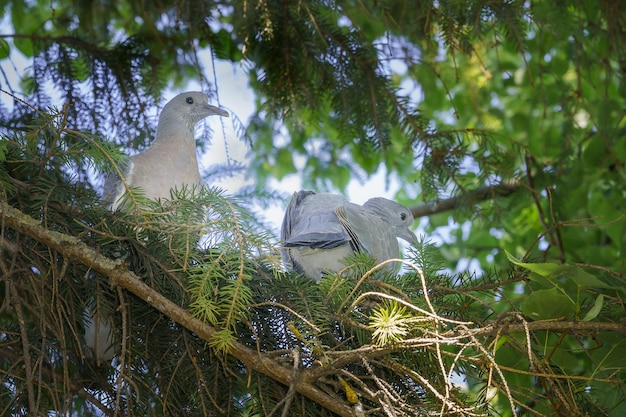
x,y
212,110
406,234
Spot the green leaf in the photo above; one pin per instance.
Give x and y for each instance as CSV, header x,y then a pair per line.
x,y
508,355
585,279
543,269
5,49
565,360
28,84
612,355
553,271
25,46
595,310
548,304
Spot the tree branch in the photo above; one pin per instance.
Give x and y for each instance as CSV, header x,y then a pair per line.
x,y
304,384
118,274
497,328
475,196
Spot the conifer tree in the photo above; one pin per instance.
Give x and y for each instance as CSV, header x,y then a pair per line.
x,y
502,121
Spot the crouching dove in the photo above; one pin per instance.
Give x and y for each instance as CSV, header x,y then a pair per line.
x,y
320,230
169,163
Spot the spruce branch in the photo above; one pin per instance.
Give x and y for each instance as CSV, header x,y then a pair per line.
x,y
119,275
265,363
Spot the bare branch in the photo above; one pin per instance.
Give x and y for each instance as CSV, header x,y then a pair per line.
x,y
475,196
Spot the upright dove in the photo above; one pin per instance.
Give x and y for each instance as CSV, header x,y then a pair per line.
x,y
169,163
320,230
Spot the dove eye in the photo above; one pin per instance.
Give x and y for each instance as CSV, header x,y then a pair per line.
x,y
189,100
403,216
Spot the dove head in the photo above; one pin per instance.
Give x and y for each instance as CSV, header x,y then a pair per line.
x,y
398,216
188,108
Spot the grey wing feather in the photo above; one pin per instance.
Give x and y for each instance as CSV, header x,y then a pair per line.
x,y
311,222
350,227
289,220
113,185
318,240
369,232
291,213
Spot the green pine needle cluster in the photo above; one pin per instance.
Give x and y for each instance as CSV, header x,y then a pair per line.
x,y
390,324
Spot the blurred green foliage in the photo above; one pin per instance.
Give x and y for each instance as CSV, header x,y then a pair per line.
x,y
447,96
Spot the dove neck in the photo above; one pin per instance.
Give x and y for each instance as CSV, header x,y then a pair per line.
x,y
175,130
176,141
